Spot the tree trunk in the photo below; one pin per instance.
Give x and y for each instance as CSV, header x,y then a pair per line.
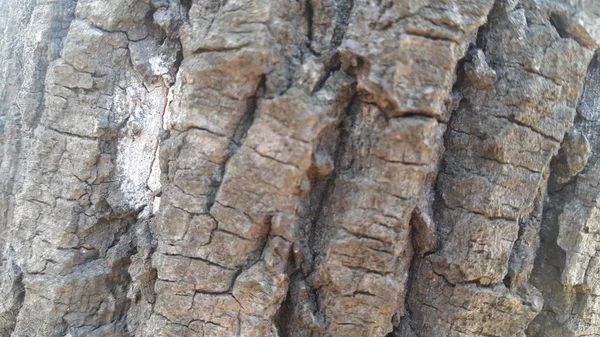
x,y
283,168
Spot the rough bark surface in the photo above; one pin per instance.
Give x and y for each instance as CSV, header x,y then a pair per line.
x,y
314,168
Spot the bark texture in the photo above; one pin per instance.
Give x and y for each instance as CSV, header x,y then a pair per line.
x,y
285,168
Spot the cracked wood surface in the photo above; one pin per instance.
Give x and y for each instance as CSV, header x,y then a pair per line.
x,y
280,168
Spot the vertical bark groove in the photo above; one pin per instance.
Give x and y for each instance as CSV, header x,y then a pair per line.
x,y
317,168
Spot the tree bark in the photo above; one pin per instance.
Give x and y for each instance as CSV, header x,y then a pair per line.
x,y
283,168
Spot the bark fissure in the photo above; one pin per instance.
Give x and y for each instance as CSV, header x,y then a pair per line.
x,y
564,281
239,135
299,168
